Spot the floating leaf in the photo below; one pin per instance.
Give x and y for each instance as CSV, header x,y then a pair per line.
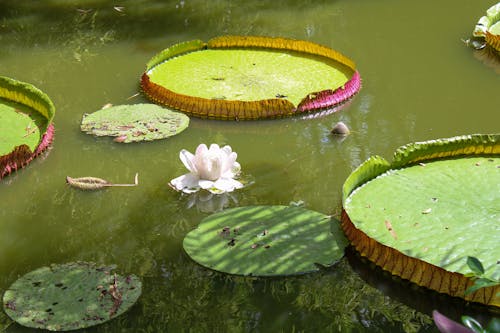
x,y
70,296
241,78
434,237
264,241
25,124
136,122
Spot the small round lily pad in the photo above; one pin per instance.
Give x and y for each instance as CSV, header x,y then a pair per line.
x,y
264,241
134,123
70,296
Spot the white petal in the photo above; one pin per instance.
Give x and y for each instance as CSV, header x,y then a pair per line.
x,y
188,160
214,147
228,162
227,184
233,171
227,149
205,184
187,183
201,149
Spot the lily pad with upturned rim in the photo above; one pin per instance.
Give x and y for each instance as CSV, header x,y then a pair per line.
x,y
134,123
244,78
265,241
26,130
70,296
488,27
422,215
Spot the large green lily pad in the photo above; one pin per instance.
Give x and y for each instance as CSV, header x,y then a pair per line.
x,y
437,203
70,296
264,241
133,123
25,124
234,77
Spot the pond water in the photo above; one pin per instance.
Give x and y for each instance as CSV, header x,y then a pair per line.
x,y
420,82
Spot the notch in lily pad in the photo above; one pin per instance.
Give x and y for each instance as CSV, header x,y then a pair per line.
x,y
265,241
70,296
135,122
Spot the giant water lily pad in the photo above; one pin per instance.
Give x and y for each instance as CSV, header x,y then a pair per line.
x,y
133,123
70,296
423,214
264,241
488,27
26,114
243,78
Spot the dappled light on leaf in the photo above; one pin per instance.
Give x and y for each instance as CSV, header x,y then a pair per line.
x,y
423,215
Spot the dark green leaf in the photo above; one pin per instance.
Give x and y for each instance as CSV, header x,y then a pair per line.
x,y
475,265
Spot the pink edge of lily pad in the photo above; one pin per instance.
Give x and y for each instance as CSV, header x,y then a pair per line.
x,y
329,98
20,157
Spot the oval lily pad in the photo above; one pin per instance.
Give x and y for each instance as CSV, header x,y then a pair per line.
x,y
264,241
421,216
70,296
134,123
26,131
241,78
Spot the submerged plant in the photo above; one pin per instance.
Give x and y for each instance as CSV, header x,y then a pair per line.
x,y
213,169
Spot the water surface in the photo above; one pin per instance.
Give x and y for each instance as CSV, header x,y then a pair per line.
x,y
419,82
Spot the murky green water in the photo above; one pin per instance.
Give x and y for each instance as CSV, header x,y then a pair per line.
x,y
419,83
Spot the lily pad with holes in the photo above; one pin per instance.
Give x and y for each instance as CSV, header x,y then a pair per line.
x,y
422,215
265,241
134,123
70,296
241,78
26,131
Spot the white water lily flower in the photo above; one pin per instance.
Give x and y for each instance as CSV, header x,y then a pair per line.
x,y
212,169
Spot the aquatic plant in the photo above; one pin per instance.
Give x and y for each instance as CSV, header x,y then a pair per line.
x,y
479,277
265,241
421,216
447,325
246,77
488,27
134,123
26,128
213,169
70,296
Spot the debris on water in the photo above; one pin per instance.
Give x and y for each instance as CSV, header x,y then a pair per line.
x,y
340,129
94,183
226,231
